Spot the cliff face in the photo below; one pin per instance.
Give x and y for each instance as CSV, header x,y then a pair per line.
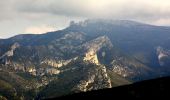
x,y
94,46
4,59
163,56
83,67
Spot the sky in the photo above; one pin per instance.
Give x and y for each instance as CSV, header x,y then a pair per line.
x,y
40,16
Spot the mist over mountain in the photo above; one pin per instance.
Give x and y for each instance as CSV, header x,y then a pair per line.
x,y
88,55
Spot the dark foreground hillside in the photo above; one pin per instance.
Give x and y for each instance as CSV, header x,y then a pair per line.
x,y
152,88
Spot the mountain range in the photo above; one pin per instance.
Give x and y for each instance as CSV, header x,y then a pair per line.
x,y
88,55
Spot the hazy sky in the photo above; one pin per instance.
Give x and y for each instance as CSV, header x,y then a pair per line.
x,y
39,16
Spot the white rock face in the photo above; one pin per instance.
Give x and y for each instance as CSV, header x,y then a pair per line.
x,y
91,56
103,54
84,84
97,79
121,69
14,46
52,71
4,58
32,71
56,63
54,66
94,46
162,54
109,85
11,51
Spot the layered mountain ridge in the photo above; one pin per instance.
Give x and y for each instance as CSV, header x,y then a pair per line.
x,y
89,55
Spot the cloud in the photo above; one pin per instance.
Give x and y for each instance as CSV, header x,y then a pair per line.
x,y
99,8
5,10
39,29
19,15
110,9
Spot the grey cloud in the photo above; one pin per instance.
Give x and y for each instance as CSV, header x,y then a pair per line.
x,y
57,7
126,9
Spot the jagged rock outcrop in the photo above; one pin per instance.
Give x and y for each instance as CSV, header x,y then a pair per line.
x,y
92,47
163,56
121,69
91,56
95,79
4,59
58,63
